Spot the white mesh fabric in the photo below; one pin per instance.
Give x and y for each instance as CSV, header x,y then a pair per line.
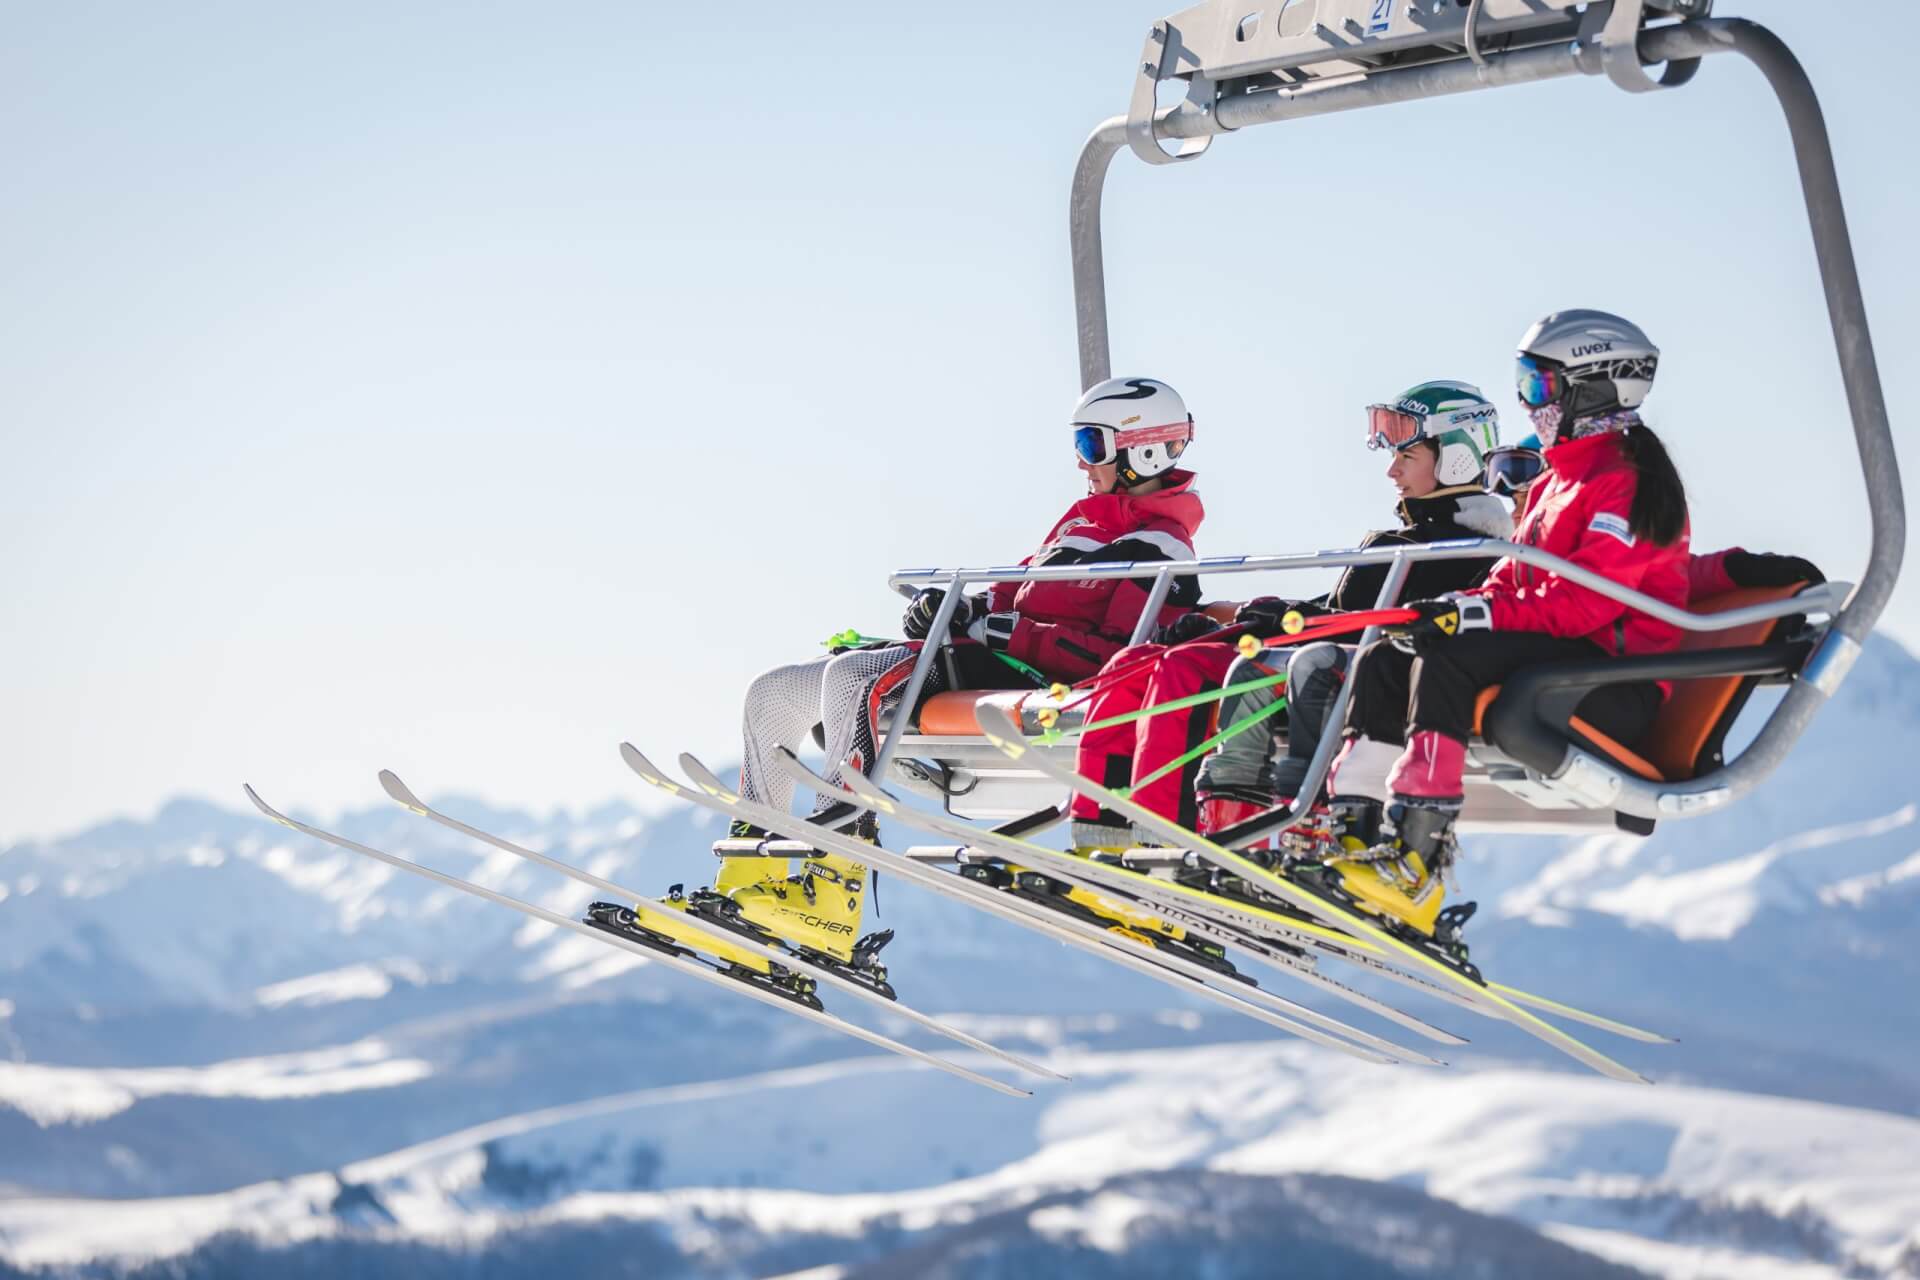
x,y
784,704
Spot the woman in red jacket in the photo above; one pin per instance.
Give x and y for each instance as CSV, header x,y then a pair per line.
x,y
1611,501
1128,433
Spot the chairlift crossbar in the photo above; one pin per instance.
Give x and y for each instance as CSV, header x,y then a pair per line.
x,y
1825,598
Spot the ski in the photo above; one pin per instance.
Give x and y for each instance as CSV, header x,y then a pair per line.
x,y
681,962
1135,887
1195,979
406,798
1005,735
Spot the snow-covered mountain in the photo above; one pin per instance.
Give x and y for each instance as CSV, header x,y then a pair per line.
x,y
206,1006
778,1169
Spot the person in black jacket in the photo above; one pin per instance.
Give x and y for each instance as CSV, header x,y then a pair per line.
x,y
1439,434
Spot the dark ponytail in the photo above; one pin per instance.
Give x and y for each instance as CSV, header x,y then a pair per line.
x,y
1659,498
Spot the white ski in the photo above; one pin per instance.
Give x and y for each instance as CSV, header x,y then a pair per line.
x,y
683,965
405,796
1187,976
1006,736
1127,885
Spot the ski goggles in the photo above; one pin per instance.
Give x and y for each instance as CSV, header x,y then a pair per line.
x,y
1538,383
1512,468
1097,445
1391,428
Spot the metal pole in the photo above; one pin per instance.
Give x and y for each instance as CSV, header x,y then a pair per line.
x,y
1833,247
1156,600
1335,727
922,665
1089,263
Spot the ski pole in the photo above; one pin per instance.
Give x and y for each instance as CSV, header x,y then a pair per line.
x,y
1048,716
1180,762
1299,630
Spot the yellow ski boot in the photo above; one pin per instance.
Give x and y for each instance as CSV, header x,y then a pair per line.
x,y
816,911
658,925
1400,874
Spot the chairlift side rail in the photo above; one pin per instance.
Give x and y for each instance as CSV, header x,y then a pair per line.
x,y
1816,599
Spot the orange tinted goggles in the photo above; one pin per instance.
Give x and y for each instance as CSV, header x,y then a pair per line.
x,y
1391,428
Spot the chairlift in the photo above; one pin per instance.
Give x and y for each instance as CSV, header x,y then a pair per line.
x,y
1533,763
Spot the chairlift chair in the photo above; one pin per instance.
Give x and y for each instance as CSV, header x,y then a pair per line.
x,y
1534,764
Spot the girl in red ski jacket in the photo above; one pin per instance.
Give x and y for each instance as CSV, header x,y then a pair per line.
x,y
1128,432
1610,502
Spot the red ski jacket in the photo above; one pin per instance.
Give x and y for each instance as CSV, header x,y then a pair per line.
x,y
1578,510
1068,629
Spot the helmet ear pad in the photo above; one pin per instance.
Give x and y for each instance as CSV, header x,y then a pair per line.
x,y
1591,397
1143,462
1458,463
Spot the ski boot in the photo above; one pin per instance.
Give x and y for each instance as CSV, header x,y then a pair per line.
x,y
817,911
1222,809
1396,871
1115,915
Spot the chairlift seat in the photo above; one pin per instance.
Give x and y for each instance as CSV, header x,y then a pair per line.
x,y
1530,719
1524,729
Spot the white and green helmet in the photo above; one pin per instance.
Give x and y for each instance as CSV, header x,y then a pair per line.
x,y
1460,421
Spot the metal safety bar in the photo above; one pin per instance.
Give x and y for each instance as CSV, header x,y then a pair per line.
x,y
1607,43
1820,598
1637,796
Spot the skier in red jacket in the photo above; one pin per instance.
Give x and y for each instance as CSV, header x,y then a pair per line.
x,y
1610,501
1127,434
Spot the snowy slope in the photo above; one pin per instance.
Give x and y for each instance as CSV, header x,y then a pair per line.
x,y
1684,1181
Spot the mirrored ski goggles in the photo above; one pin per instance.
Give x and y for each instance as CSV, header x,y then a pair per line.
x,y
1512,468
1391,428
1538,383
1098,445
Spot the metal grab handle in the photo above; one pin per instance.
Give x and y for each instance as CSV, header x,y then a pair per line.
x,y
1824,598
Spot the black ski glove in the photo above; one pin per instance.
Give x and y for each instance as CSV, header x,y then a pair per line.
x,y
1267,614
918,620
1188,626
1759,569
1446,617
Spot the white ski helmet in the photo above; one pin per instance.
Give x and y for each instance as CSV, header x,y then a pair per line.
x,y
1587,362
1141,424
1460,422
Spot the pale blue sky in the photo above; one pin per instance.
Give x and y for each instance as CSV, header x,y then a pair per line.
x,y
463,388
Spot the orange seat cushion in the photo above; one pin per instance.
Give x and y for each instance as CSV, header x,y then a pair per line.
x,y
950,715
1690,715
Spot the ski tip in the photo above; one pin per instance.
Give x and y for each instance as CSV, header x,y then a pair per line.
x,y
264,807
705,778
645,768
1000,727
399,791
864,788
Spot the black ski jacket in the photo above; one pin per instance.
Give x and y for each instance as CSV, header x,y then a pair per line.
x,y
1463,511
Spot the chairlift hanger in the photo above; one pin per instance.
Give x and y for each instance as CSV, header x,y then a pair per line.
x,y
1249,62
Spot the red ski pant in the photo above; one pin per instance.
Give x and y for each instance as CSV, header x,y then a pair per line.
x,y
1117,756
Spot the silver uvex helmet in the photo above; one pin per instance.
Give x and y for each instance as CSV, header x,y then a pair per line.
x,y
1607,361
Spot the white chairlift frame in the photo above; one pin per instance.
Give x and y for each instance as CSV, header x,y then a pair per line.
x,y
1249,63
